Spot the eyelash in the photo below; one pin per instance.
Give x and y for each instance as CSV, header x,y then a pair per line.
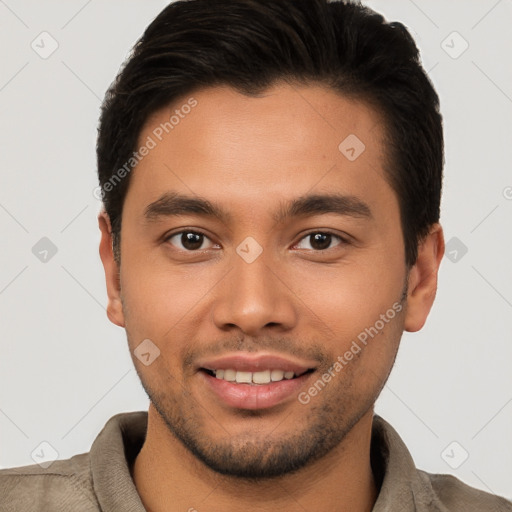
x,y
342,240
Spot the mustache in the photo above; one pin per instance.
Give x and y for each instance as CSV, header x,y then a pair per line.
x,y
283,346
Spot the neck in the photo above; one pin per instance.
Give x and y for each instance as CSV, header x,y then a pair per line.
x,y
168,477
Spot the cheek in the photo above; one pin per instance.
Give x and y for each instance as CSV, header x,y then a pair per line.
x,y
159,300
349,297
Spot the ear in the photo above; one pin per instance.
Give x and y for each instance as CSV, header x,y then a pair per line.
x,y
114,307
422,283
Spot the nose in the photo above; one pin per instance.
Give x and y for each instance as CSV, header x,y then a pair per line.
x,y
255,297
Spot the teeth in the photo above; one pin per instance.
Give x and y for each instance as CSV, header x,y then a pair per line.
x,y
243,377
277,375
263,377
230,375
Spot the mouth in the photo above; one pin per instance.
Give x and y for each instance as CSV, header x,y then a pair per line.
x,y
243,380
261,390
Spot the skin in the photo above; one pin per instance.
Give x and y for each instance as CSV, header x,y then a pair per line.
x,y
248,155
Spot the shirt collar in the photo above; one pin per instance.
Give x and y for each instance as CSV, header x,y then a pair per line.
x,y
111,457
402,487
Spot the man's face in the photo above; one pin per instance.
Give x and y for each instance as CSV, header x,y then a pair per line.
x,y
199,288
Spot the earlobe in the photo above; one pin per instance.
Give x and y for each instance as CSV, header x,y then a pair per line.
x,y
422,284
114,307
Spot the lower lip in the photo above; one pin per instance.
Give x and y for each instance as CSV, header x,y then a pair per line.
x,y
257,396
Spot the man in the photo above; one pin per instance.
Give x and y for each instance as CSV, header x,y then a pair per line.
x,y
271,178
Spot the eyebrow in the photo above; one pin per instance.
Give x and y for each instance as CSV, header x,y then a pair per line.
x,y
175,204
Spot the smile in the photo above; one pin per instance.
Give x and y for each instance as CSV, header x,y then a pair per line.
x,y
259,377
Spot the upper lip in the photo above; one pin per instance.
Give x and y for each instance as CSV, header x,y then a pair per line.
x,y
250,362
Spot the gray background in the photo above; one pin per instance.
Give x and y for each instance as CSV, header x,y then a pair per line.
x,y
64,369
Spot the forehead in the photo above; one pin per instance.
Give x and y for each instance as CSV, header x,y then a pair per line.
x,y
287,139
283,114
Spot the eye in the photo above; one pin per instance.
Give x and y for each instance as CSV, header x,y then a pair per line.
x,y
320,240
188,240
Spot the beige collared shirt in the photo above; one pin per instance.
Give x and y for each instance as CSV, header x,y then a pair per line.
x,y
100,480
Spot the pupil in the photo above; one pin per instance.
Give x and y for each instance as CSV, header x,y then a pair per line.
x,y
321,239
191,240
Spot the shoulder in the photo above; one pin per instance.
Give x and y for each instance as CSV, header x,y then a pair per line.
x,y
453,495
64,485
